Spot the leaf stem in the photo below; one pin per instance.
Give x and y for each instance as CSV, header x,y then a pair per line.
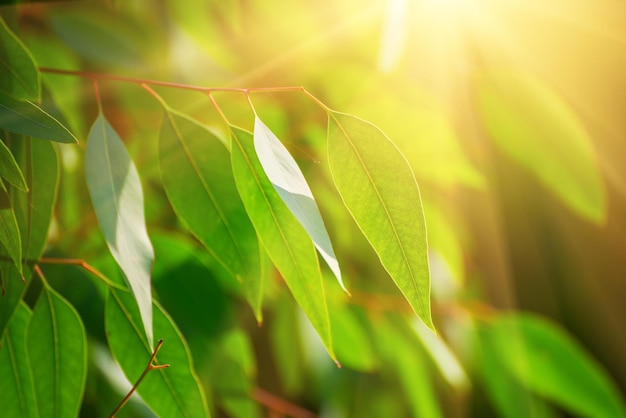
x,y
280,405
147,370
80,263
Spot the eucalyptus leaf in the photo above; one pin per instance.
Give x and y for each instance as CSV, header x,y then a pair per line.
x,y
17,393
287,178
378,187
9,230
541,132
19,77
9,170
117,197
26,118
33,212
171,392
57,349
198,180
283,237
550,363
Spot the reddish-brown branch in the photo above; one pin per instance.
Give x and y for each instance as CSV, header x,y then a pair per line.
x,y
280,405
151,366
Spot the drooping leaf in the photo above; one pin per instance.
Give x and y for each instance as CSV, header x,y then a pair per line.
x,y
9,231
57,349
17,393
198,180
550,363
541,132
117,197
28,119
33,211
284,239
9,170
19,77
285,175
172,392
379,189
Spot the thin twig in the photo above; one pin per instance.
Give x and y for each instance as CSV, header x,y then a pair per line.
x,y
80,263
281,405
147,370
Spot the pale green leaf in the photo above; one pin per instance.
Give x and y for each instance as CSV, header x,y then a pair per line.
x,y
17,393
9,170
541,132
378,187
9,231
33,211
28,119
117,197
171,392
351,340
287,178
19,77
198,180
284,239
549,362
57,349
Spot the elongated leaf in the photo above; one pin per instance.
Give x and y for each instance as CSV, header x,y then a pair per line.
x,y
19,77
9,231
284,239
117,197
9,170
172,392
541,132
28,119
17,393
198,180
33,211
57,348
549,362
283,171
378,188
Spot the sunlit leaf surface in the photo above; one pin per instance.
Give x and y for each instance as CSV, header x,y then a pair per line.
x,y
57,348
283,171
117,197
378,188
285,240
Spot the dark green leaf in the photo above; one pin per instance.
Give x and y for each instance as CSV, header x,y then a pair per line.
x,y
9,231
28,119
285,240
9,169
17,393
19,77
57,349
379,189
117,197
540,131
549,362
172,392
198,180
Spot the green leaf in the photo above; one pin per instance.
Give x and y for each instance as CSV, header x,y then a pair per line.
x,y
19,77
172,392
57,349
9,231
28,119
379,189
17,393
284,239
33,211
117,197
198,180
549,362
9,169
541,132
351,340
285,175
